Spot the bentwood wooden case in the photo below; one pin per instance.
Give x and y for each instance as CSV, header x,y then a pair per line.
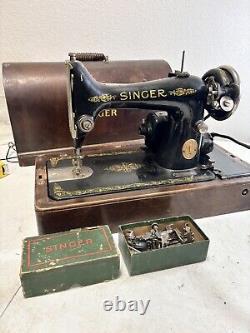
x,y
210,198
38,114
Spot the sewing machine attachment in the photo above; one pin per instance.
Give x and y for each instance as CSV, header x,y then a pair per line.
x,y
72,170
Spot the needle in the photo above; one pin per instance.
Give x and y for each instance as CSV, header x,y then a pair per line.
x,y
78,162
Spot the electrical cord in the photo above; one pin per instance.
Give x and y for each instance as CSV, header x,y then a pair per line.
x,y
213,134
230,138
8,158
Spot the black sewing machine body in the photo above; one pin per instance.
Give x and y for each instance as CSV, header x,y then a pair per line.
x,y
178,100
177,144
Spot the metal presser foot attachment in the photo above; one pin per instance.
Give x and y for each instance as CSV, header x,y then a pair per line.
x,y
79,170
68,169
77,162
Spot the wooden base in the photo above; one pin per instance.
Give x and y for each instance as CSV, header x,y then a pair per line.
x,y
197,199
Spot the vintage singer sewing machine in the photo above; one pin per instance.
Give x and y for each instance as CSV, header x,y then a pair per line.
x,y
177,170
177,142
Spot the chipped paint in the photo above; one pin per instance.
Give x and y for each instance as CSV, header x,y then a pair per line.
x,y
58,261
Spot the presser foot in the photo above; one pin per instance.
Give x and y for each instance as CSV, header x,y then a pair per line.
x,y
79,170
71,171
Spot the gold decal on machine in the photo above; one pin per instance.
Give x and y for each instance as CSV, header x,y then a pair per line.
x,y
140,95
101,98
182,92
123,167
189,149
108,113
155,94
162,93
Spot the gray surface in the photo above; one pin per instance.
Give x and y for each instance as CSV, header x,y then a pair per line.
x,y
213,296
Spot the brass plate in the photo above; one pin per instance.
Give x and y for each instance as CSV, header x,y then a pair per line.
x,y
189,149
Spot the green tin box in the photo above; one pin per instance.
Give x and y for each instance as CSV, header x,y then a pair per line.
x,y
59,261
165,257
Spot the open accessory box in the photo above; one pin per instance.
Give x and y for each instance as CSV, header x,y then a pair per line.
x,y
162,257
39,118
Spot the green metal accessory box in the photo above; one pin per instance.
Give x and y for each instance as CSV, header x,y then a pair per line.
x,y
59,261
165,257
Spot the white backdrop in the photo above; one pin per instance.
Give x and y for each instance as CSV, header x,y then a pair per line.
x,y
212,33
